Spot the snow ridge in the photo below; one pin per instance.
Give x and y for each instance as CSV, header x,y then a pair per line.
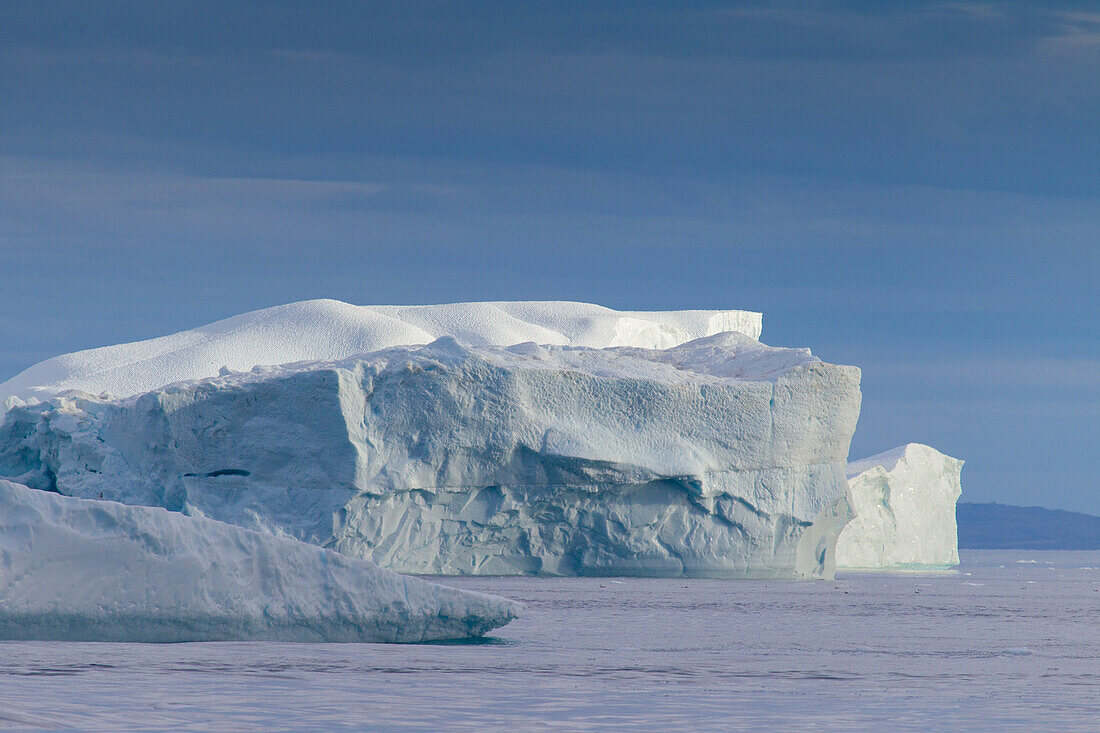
x,y
324,330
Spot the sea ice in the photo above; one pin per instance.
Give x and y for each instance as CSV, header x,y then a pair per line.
x,y
720,456
90,570
904,504
322,330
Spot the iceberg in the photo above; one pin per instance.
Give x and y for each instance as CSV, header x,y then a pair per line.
x,y
91,570
904,506
719,456
324,330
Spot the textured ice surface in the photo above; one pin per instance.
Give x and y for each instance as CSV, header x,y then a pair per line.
x,y
89,570
712,457
904,502
318,330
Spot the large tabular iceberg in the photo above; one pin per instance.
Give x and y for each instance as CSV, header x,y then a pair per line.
x,y
79,569
321,330
904,505
720,456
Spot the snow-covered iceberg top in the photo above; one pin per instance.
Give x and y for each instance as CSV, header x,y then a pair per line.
x,y
322,330
904,503
89,570
711,457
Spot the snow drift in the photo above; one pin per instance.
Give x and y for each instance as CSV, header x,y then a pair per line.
x,y
904,505
85,570
720,456
322,330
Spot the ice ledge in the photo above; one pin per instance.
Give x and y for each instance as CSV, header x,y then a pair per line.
x,y
89,570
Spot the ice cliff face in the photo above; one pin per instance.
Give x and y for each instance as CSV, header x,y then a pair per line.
x,y
720,456
321,330
904,505
85,570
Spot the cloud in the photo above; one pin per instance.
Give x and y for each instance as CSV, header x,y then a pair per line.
x,y
960,96
1077,32
870,235
1072,377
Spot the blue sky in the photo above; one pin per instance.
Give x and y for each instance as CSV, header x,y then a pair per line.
x,y
912,188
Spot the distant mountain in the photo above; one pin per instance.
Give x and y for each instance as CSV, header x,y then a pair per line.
x,y
1001,526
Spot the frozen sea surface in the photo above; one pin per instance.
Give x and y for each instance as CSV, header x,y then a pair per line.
x,y
1009,641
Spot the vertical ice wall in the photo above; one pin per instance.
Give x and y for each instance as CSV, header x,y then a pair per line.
x,y
904,503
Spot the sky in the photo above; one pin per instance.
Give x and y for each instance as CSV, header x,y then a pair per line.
x,y
913,188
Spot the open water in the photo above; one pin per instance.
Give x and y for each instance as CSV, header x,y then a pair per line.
x,y
1010,641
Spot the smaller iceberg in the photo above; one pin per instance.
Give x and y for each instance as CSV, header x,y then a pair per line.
x,y
904,505
91,570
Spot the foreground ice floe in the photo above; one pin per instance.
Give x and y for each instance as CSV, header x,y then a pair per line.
x,y
79,569
317,330
904,506
720,456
